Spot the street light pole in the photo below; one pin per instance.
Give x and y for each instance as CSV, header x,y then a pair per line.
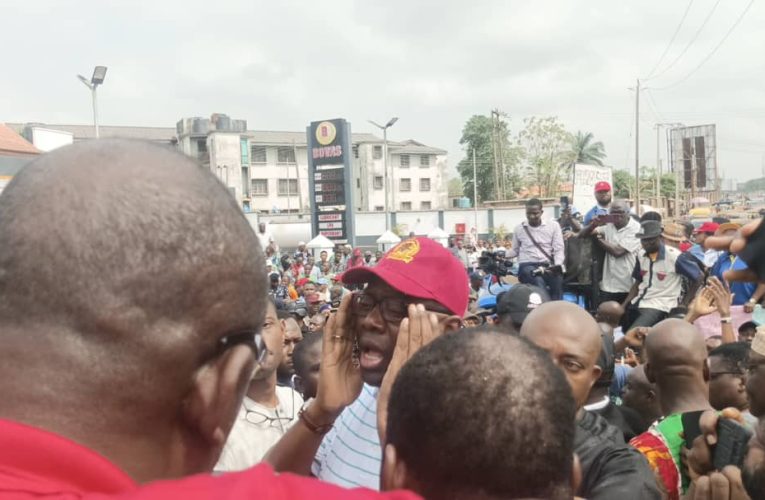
x,y
99,73
386,182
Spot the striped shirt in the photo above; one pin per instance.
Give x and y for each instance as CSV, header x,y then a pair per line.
x,y
350,454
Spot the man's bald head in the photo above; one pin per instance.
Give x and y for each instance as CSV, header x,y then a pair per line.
x,y
676,361
122,265
675,346
610,312
573,339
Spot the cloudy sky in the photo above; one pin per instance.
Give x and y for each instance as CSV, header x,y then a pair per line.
x,y
281,64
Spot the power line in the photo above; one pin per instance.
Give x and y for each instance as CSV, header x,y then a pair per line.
x,y
695,37
671,40
714,50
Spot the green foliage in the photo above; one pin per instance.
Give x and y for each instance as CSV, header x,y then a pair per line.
x,y
624,184
754,185
541,154
548,155
477,134
587,152
455,187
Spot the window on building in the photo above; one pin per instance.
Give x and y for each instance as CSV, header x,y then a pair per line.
x,y
259,187
285,155
424,184
377,154
287,187
202,146
378,183
355,149
424,161
259,154
245,150
424,205
404,161
406,205
379,208
405,185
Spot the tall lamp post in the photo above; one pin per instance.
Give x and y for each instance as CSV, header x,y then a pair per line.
x,y
99,73
384,129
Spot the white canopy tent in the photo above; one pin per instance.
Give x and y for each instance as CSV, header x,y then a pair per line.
x,y
440,236
319,244
387,240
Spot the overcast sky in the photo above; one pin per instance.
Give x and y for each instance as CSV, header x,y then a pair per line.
x,y
281,64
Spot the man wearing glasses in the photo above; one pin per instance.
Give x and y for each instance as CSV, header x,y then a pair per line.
x,y
130,326
337,437
268,409
727,379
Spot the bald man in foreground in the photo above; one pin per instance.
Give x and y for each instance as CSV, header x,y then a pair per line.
x,y
610,468
133,294
676,361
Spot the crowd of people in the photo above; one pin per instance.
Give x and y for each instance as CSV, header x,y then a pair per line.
x,y
155,346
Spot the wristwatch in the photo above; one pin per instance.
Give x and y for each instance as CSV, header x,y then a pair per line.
x,y
752,301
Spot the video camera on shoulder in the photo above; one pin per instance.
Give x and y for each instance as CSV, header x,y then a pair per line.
x,y
494,263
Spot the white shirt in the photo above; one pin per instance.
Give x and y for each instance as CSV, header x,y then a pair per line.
x,y
617,271
257,428
350,454
265,239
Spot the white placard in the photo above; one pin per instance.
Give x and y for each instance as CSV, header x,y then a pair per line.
x,y
585,178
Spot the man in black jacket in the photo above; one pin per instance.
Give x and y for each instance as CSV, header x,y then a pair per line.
x,y
610,468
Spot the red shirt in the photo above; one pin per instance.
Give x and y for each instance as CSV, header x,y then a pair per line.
x,y
37,464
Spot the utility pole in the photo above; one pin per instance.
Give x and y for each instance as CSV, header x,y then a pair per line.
x,y
637,148
658,164
494,153
501,157
475,196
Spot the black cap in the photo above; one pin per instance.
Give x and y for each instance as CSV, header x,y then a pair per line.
x,y
649,229
520,300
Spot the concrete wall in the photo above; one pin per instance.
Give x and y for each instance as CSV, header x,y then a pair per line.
x,y
288,230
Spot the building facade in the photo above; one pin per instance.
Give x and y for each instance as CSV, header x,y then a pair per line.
x,y
267,171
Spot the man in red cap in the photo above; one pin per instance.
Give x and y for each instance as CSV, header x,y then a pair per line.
x,y
603,197
700,235
336,439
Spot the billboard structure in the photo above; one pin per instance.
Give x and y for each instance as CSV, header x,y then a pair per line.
x,y
329,180
694,157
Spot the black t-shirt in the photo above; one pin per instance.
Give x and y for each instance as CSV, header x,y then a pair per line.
x,y
623,418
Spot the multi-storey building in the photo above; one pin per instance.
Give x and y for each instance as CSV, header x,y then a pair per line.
x,y
267,171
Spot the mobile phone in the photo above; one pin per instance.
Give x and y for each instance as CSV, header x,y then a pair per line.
x,y
732,440
609,219
691,427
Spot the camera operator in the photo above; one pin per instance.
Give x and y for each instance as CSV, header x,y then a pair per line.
x,y
539,247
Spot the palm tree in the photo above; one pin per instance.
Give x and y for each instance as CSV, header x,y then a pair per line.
x,y
585,151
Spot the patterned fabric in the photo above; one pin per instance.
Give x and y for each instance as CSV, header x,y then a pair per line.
x,y
661,447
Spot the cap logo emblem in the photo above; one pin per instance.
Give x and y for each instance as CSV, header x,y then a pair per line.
x,y
405,251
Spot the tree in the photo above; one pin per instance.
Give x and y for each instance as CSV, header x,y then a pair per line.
x,y
477,135
585,151
455,188
624,184
547,152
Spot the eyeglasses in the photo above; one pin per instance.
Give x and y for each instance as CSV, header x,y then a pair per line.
x,y
392,310
250,338
257,417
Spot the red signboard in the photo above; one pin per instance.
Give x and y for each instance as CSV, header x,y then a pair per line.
x,y
459,228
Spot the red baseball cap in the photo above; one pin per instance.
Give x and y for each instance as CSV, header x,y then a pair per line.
x,y
420,267
708,227
602,186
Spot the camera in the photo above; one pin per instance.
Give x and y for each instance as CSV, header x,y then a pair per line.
x,y
547,269
494,263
